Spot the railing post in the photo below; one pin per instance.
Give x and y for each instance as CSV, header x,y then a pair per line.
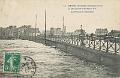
x,y
72,38
73,42
69,39
100,44
94,43
115,46
89,41
53,38
77,40
107,46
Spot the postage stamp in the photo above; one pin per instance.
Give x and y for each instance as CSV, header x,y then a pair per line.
x,y
11,62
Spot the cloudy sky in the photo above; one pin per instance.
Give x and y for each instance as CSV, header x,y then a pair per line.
x,y
20,12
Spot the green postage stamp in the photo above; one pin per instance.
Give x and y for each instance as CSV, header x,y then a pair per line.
x,y
11,62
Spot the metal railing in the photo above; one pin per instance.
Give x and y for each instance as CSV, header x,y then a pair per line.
x,y
106,43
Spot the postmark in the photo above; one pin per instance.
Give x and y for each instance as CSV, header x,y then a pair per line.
x,y
15,64
28,66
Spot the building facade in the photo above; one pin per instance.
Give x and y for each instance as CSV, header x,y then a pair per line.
x,y
26,32
114,33
101,32
23,32
10,32
55,31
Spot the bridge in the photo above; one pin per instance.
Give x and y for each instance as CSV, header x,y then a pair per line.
x,y
101,50
105,44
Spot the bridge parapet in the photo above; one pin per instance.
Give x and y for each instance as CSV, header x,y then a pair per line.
x,y
106,44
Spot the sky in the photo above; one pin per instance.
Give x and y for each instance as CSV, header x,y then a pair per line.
x,y
22,12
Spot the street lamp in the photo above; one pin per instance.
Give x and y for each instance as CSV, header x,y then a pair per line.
x,y
45,27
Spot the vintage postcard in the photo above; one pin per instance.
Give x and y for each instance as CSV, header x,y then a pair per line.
x,y
59,38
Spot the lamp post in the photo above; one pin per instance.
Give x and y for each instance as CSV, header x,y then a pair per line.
x,y
45,27
35,27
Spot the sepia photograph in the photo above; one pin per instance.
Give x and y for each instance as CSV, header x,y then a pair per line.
x,y
59,38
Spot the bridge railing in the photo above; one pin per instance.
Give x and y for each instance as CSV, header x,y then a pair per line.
x,y
106,44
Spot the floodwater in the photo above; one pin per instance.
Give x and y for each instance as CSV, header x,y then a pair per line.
x,y
53,63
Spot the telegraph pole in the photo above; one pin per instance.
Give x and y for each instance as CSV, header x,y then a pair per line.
x,y
63,21
35,26
64,28
45,27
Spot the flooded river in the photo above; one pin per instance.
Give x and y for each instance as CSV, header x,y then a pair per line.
x,y
53,63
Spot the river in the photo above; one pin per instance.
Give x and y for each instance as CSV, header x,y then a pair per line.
x,y
54,63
